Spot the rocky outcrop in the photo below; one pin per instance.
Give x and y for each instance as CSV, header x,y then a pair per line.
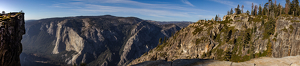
x,y
237,38
94,40
11,31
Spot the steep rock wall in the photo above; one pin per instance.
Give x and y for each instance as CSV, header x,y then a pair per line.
x,y
94,40
237,38
11,31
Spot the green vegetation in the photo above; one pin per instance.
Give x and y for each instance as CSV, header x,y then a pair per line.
x,y
269,49
269,28
219,53
291,28
258,18
241,45
227,32
198,30
284,29
244,39
295,21
161,46
82,64
209,29
201,40
163,54
160,41
74,64
5,18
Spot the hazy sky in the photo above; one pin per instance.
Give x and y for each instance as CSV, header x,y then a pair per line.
x,y
158,10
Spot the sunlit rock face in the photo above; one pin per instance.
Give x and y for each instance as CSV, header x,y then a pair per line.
x,y
94,40
237,38
11,31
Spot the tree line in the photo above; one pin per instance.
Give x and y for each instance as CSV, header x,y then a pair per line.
x,y
271,9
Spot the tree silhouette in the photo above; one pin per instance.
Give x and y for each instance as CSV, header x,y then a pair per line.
x,y
216,18
255,10
242,8
231,11
260,10
237,10
287,7
248,12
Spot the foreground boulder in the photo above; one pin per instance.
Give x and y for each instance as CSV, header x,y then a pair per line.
x,y
263,61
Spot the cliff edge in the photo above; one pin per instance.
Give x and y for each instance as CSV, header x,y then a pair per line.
x,y
11,31
237,38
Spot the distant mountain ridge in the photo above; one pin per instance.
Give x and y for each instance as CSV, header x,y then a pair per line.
x,y
181,24
95,40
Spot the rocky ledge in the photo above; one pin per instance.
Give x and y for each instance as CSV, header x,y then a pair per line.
x,y
11,31
263,61
238,38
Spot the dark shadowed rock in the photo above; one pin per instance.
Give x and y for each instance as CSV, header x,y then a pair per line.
x,y
11,31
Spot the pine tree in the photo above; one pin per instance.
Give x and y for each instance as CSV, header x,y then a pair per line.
x,y
271,12
219,19
231,11
292,9
237,10
260,10
242,8
228,13
252,7
295,6
216,18
252,11
255,10
159,41
282,10
266,9
287,7
275,8
279,9
248,12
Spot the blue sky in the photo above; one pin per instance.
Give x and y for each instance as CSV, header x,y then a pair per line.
x,y
158,10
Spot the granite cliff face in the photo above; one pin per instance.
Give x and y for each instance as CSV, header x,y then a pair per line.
x,y
237,38
94,40
11,31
